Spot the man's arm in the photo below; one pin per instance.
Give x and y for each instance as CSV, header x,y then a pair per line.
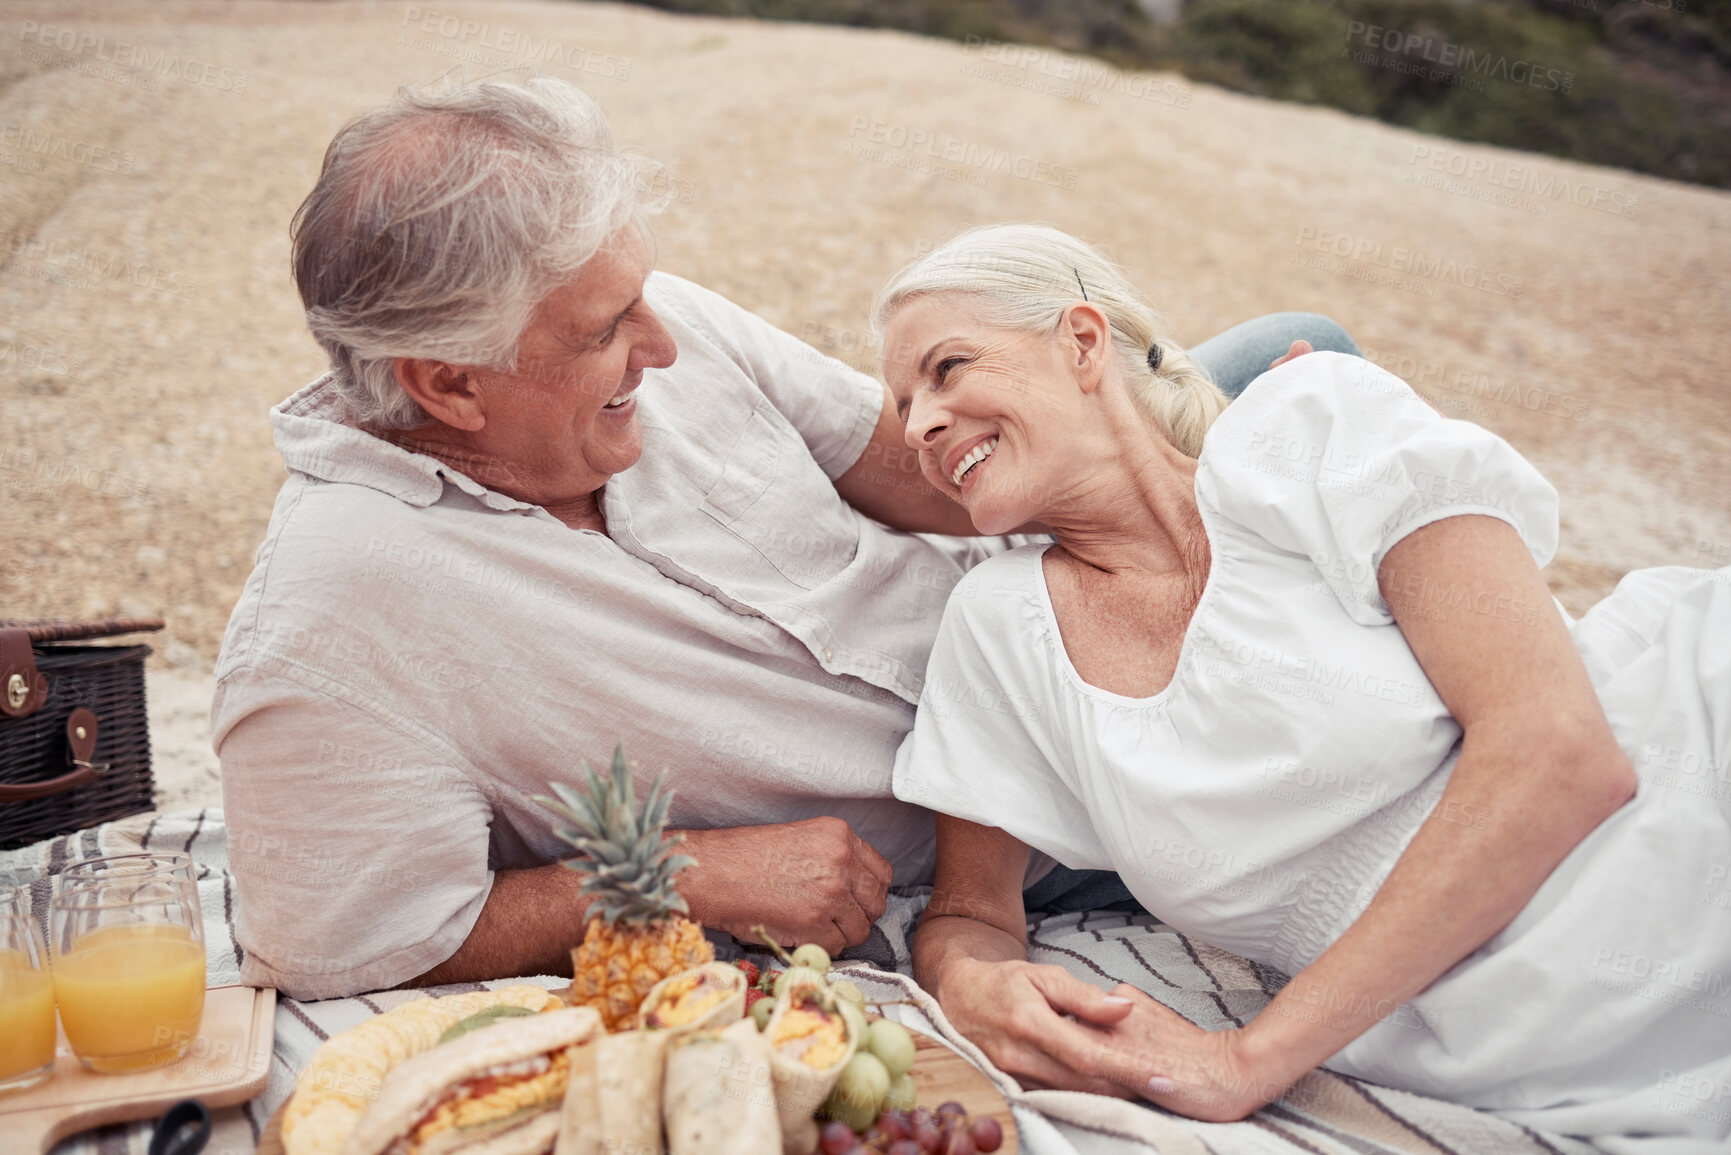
x,y
886,484
809,881
828,403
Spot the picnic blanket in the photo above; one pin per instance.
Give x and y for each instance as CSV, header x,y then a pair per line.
x,y
1325,1114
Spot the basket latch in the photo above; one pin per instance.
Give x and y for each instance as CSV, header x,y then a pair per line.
x,y
81,727
23,688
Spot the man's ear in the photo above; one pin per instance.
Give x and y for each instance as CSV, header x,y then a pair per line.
x,y
448,394
1090,338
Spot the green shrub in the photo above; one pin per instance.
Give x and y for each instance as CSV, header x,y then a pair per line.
x,y
1645,83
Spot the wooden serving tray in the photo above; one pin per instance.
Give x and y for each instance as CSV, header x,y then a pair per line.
x,y
940,1074
229,1063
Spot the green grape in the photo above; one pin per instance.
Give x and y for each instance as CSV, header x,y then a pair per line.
x,y
847,991
891,1043
864,1082
902,1094
858,1118
813,956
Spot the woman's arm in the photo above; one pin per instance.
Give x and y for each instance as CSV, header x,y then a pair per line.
x,y
1539,769
971,954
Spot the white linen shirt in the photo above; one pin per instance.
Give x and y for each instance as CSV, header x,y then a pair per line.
x,y
415,656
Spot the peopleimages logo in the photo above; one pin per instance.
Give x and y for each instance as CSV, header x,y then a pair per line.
x,y
449,35
58,146
1399,259
1518,186
1454,63
139,58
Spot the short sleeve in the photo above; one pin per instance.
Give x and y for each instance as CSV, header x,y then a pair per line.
x,y
984,745
1334,458
833,407
360,855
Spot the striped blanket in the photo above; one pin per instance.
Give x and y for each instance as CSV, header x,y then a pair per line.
x,y
1325,1114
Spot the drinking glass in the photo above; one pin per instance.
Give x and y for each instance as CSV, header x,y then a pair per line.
x,y
169,864
26,997
128,951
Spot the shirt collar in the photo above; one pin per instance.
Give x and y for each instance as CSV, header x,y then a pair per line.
x,y
314,439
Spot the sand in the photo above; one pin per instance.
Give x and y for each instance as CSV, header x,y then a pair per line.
x,y
152,154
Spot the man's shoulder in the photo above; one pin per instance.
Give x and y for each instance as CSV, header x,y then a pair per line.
x,y
689,301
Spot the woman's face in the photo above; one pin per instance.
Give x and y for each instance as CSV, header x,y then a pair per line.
x,y
992,412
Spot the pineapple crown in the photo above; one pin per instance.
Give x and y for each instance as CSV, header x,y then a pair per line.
x,y
627,860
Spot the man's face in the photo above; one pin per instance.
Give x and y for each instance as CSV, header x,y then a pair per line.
x,y
564,419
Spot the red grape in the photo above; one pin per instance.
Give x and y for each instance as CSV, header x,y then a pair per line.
x,y
987,1135
904,1147
961,1143
927,1136
951,1109
895,1125
836,1138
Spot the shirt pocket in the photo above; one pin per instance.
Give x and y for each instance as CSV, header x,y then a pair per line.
x,y
773,495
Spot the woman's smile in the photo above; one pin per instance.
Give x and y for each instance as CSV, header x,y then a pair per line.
x,y
968,458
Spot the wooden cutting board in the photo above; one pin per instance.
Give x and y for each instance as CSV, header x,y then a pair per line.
x,y
939,1073
229,1063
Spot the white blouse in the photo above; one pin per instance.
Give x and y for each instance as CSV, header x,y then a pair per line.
x,y
1261,799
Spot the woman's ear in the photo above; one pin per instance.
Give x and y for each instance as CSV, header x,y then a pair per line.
x,y
1089,335
449,395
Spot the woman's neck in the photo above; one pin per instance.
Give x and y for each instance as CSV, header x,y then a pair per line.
x,y
1136,511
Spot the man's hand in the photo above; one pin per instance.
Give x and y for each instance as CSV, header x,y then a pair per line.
x,y
1299,349
810,881
1044,1026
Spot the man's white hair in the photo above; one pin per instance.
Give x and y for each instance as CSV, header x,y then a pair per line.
x,y
441,220
1024,277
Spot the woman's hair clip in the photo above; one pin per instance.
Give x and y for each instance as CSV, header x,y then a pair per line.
x,y
1154,358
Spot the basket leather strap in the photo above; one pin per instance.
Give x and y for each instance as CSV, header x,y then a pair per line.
x,y
23,688
81,730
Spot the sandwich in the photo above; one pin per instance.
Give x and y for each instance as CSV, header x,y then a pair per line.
x,y
349,1069
495,1090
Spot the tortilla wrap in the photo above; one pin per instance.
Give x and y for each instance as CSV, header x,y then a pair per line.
x,y
718,1001
717,1098
810,1041
420,1092
613,1105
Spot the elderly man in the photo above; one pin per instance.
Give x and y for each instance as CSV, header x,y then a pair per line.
x,y
545,501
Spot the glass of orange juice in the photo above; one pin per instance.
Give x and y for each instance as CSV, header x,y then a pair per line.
x,y
171,864
26,997
128,954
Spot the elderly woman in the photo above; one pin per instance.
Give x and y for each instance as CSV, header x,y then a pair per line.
x,y
1290,668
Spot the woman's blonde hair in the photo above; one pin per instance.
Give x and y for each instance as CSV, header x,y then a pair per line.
x,y
1024,277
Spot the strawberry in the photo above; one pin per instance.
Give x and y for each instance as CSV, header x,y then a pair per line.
x,y
751,972
752,994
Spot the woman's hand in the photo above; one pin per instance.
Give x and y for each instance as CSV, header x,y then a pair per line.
x,y
1042,1025
1207,1075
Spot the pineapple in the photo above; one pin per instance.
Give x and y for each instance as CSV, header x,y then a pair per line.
x,y
638,930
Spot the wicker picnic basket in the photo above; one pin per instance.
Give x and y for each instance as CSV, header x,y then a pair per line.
x,y
74,740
